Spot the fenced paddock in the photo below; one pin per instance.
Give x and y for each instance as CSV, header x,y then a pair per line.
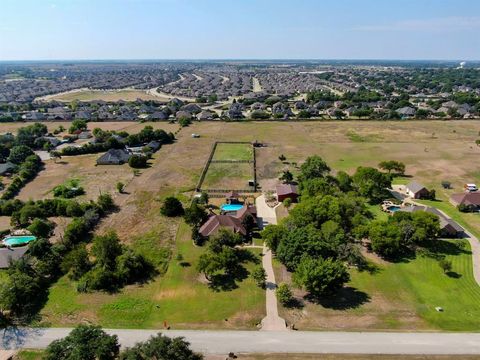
x,y
229,167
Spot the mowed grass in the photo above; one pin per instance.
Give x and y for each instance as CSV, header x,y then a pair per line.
x,y
237,152
422,283
179,298
399,296
228,176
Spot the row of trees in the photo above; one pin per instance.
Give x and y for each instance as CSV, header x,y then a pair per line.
x,y
91,343
26,172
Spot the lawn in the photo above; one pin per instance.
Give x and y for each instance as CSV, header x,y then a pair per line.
x,y
178,298
225,151
400,296
228,176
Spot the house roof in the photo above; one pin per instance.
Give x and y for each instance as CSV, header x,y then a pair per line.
x,y
8,255
415,187
6,167
470,198
246,209
287,189
444,221
217,221
114,156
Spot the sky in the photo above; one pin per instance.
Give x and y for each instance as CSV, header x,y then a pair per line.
x,y
239,29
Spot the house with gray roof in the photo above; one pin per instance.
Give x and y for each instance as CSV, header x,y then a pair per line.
x,y
7,255
114,157
416,190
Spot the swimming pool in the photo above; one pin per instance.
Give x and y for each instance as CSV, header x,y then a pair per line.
x,y
231,207
394,208
18,240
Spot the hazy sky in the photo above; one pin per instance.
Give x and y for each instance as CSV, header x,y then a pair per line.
x,y
239,29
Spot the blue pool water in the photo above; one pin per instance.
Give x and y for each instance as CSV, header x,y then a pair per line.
x,y
394,208
18,240
231,207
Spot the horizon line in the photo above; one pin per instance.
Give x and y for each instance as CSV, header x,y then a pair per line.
x,y
237,59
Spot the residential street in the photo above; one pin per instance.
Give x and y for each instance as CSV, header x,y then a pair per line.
x,y
222,342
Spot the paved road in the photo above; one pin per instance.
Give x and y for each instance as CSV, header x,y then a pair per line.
x,y
271,322
222,342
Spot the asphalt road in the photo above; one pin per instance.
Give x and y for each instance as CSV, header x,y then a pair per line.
x,y
222,342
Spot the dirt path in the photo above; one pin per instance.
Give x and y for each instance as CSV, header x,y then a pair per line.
x,y
271,322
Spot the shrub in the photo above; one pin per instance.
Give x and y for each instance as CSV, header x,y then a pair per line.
x,y
284,294
41,228
138,161
172,207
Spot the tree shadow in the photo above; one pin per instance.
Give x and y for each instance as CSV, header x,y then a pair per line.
x,y
185,264
369,267
453,275
344,299
228,282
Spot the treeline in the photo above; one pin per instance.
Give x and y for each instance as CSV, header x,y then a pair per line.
x,y
107,140
324,231
91,342
26,172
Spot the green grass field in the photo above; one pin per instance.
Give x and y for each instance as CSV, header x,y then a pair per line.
x,y
228,176
233,152
422,283
178,298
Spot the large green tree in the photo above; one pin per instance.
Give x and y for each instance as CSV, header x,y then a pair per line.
x,y
319,276
85,342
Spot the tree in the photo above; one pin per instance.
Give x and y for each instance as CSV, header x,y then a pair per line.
x,y
259,276
393,165
41,228
284,294
372,184
445,265
120,187
272,235
20,292
77,124
137,161
287,203
195,215
18,154
287,177
319,276
105,202
446,184
55,155
313,167
76,263
85,342
172,207
106,249
161,347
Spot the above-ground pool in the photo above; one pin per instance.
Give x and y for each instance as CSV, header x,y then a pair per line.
x,y
18,240
231,207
